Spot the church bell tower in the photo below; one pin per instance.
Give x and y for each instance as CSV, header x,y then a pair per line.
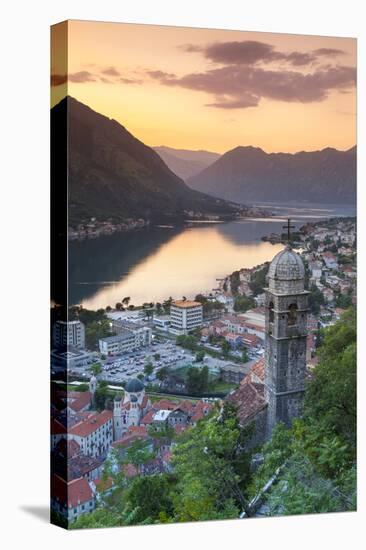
x,y
285,338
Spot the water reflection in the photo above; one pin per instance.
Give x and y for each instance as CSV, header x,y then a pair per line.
x,y
162,265
153,264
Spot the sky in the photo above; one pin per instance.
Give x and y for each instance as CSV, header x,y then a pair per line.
x,y
211,89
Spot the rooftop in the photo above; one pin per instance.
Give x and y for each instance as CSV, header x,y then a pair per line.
x,y
185,304
90,425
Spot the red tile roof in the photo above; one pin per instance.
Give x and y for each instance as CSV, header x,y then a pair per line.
x,y
78,400
258,369
71,494
249,399
86,427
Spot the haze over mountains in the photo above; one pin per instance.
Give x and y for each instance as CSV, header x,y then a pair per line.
x,y
184,162
248,174
111,174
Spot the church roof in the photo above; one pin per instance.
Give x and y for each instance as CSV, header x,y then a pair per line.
x,y
249,399
134,386
286,265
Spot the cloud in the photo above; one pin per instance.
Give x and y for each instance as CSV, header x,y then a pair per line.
x,y
130,80
81,77
160,75
250,52
236,86
329,52
111,71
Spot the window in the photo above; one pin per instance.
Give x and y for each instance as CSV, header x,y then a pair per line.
x,y
292,315
271,313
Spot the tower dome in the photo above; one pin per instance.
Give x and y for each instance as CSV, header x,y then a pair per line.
x,y
134,386
286,273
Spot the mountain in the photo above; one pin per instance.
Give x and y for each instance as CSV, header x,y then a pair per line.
x,y
249,174
184,162
113,175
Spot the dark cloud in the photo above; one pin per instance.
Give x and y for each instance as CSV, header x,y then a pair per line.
x,y
236,86
111,71
251,52
299,58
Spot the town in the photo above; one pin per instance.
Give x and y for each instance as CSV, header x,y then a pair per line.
x,y
138,377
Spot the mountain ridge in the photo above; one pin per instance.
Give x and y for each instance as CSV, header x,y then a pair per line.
x,y
186,162
113,175
249,174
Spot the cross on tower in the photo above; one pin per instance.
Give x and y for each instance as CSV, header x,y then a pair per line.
x,y
288,226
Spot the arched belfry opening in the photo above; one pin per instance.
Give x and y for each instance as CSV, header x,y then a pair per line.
x,y
292,315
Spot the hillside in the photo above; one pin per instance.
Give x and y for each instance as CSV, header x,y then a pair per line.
x,y
113,175
184,162
249,174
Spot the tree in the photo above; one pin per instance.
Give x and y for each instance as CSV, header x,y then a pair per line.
x,y
243,303
316,299
200,355
126,300
162,374
197,380
138,453
119,306
226,348
317,455
187,341
101,395
211,469
150,497
148,369
331,395
96,368
95,330
156,356
244,356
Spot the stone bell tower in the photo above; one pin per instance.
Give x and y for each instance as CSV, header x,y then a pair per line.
x,y
285,338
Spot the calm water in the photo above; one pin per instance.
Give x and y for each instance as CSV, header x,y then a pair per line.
x,y
151,265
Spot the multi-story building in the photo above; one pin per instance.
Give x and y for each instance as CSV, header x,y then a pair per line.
x,y
130,336
185,316
73,498
69,333
95,434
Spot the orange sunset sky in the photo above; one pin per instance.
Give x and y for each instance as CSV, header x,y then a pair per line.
x,y
211,89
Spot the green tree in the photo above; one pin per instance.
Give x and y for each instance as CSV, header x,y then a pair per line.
x,y
226,348
197,380
150,497
138,453
243,303
156,356
200,355
211,469
148,369
316,299
244,356
96,368
96,330
162,374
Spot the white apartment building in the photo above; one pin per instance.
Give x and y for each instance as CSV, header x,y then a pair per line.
x,y
185,316
69,333
127,339
95,434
